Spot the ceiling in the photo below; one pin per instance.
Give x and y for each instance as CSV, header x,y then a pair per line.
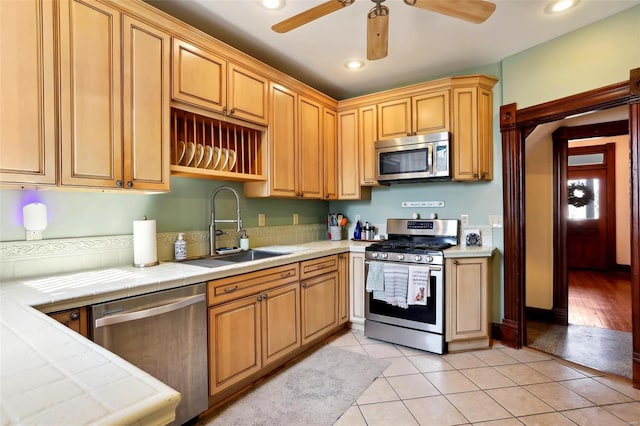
x,y
422,45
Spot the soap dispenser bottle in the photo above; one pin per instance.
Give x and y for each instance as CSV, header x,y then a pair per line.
x,y
357,232
244,241
180,247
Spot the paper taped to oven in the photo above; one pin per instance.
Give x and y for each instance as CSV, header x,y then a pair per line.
x,y
418,288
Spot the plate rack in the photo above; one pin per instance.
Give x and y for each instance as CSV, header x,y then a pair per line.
x,y
212,148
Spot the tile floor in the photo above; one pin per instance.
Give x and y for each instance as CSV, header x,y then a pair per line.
x,y
500,386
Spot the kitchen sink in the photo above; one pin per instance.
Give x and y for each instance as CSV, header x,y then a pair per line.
x,y
230,259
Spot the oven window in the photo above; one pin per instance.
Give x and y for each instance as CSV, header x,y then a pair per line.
x,y
403,162
420,313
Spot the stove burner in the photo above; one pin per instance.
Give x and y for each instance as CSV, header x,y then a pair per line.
x,y
403,246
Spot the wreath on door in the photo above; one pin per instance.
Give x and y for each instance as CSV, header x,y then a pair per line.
x,y
580,195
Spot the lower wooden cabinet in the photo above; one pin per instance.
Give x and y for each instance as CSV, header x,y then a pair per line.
x,y
319,294
343,288
356,290
75,319
468,298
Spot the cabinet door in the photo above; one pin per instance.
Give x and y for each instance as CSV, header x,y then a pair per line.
x,y
234,342
485,133
465,158
311,150
367,120
146,109
27,84
282,134
248,95
199,77
467,299
394,119
348,164
319,306
330,137
280,311
356,288
90,94
431,112
343,288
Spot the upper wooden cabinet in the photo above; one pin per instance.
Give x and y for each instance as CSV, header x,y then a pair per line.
x,y
207,80
349,187
426,113
330,137
367,121
114,109
27,84
472,133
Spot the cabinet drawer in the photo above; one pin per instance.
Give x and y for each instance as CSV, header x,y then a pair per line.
x,y
315,267
226,289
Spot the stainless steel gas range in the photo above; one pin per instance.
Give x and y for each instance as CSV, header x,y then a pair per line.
x,y
404,300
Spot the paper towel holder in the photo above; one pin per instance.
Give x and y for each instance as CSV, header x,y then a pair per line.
x,y
34,220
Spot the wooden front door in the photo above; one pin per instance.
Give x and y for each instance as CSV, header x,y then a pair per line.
x,y
591,208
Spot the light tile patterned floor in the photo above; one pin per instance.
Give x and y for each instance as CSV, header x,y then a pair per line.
x,y
500,386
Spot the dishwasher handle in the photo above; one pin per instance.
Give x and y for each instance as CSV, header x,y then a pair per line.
x,y
151,312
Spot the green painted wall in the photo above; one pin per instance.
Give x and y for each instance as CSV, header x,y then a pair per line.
x,y
185,208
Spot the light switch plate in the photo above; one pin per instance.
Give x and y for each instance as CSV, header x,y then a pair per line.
x,y
495,220
261,219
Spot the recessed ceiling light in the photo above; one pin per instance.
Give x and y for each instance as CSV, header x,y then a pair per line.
x,y
354,65
561,5
273,4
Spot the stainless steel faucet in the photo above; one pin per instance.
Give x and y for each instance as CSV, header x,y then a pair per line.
x,y
213,232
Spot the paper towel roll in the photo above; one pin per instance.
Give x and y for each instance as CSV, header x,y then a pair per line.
x,y
145,252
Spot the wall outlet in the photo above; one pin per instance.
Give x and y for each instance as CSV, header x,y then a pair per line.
x,y
261,219
495,220
295,218
464,219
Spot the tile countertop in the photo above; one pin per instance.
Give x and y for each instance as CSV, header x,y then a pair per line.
x,y
53,375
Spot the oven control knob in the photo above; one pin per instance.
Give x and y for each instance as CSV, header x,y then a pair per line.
x,y
385,255
429,259
401,257
417,258
374,254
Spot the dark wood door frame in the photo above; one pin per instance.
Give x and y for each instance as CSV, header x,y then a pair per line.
x,y
515,126
561,137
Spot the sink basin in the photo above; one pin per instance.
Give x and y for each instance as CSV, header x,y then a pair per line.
x,y
230,259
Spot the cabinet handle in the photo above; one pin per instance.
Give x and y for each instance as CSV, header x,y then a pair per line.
x,y
304,285
230,289
224,110
259,298
129,184
321,266
119,183
455,262
75,316
265,296
233,111
286,274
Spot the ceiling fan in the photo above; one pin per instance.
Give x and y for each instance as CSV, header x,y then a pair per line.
x,y
475,11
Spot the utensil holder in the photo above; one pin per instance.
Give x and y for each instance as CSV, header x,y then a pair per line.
x,y
335,233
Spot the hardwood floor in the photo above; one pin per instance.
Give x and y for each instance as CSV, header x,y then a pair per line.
x,y
600,299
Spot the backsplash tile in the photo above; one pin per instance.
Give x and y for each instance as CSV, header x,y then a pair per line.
x,y
22,259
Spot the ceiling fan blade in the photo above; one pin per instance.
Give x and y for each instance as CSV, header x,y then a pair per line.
x,y
377,35
309,15
476,11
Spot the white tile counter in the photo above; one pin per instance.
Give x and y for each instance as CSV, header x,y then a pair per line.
x,y
53,375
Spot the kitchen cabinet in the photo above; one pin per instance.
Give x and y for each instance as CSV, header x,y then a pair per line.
x,y
425,113
348,163
208,80
254,320
319,297
296,148
367,136
356,290
75,319
114,108
28,101
473,133
330,137
468,298
343,288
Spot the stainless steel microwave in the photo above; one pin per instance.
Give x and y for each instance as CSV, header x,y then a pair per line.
x,y
414,158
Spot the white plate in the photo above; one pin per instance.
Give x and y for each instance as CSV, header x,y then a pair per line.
x,y
181,149
188,156
216,159
222,165
199,156
208,155
232,159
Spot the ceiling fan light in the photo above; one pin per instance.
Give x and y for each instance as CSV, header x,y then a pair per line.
x,y
559,6
355,64
273,4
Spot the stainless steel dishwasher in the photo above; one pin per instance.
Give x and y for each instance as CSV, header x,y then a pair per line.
x,y
164,334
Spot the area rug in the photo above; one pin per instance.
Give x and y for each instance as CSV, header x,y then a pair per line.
x,y
609,351
315,391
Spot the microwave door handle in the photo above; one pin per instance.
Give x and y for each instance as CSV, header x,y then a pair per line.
x,y
430,158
